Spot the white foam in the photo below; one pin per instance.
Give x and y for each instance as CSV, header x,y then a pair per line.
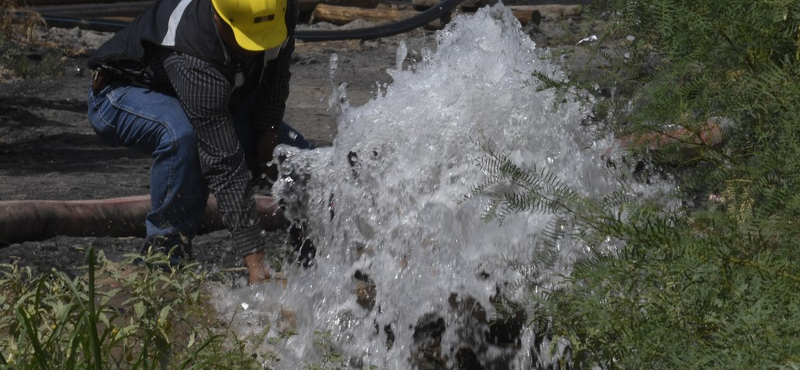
x,y
398,217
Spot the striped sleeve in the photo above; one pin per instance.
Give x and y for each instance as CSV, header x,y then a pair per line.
x,y
273,89
204,92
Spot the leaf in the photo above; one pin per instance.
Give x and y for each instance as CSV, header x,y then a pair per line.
x,y
163,316
139,309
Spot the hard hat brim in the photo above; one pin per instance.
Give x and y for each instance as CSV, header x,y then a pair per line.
x,y
261,41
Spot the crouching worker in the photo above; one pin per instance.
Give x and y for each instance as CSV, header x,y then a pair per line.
x,y
201,85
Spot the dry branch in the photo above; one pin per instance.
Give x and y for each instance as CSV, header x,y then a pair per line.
x,y
309,5
381,14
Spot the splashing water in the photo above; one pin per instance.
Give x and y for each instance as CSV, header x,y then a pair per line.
x,y
383,206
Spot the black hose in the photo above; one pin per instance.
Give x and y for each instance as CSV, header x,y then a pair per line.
x,y
368,33
383,30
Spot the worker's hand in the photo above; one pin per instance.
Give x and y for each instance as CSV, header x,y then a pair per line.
x,y
256,271
265,174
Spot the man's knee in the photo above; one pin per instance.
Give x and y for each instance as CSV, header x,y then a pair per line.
x,y
184,141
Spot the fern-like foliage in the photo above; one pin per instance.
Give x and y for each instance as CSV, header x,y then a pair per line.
x,y
689,289
521,190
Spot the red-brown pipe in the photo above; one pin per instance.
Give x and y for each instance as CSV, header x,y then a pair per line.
x,y
710,135
25,220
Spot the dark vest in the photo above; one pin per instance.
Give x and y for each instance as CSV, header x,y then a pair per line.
x,y
186,26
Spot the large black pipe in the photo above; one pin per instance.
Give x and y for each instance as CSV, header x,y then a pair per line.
x,y
368,33
121,8
101,25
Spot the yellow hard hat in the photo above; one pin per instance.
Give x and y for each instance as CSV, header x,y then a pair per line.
x,y
257,24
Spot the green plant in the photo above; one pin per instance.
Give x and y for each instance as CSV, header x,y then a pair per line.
x,y
116,316
713,284
331,360
37,66
688,290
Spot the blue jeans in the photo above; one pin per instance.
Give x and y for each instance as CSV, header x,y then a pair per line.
x,y
155,123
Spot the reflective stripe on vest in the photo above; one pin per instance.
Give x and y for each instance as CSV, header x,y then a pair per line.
x,y
174,19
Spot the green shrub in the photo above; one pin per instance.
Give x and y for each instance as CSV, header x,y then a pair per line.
x,y
714,284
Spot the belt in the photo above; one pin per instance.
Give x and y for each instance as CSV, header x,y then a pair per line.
x,y
100,78
104,76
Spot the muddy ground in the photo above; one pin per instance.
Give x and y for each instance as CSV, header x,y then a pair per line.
x,y
48,150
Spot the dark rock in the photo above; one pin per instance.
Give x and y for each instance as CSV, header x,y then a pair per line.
x,y
427,351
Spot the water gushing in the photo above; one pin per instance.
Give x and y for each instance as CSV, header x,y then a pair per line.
x,y
383,206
